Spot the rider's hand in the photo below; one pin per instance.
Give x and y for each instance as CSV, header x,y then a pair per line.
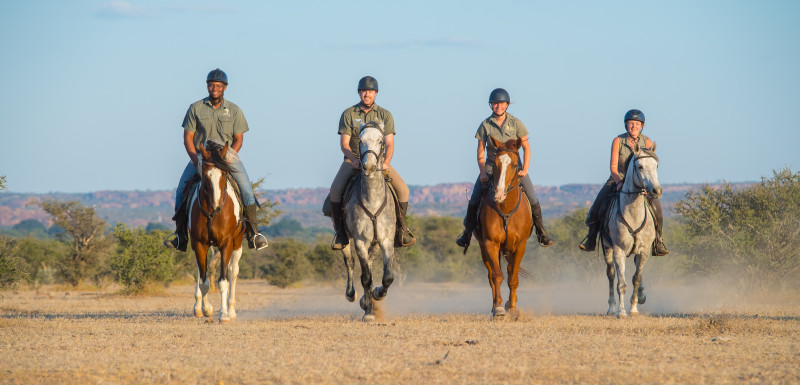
x,y
357,164
484,177
522,173
385,166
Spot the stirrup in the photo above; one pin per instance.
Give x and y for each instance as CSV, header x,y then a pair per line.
x,y
172,241
260,241
585,247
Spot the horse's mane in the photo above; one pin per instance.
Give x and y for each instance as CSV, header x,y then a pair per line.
x,y
650,152
216,160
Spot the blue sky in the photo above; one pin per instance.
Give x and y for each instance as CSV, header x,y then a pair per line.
x,y
95,91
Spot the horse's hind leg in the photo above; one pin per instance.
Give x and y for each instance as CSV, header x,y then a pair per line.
x,y
233,273
387,249
638,296
349,263
201,305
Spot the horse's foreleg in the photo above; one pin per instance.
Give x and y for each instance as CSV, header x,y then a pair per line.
x,y
201,305
349,263
233,273
491,258
619,264
638,296
366,280
387,249
224,282
514,259
610,273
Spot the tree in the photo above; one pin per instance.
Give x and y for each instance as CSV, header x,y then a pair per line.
x,y
31,227
13,268
3,182
268,210
83,231
140,261
752,233
285,262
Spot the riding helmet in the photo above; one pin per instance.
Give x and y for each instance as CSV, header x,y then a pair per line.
x,y
499,95
368,83
217,75
635,115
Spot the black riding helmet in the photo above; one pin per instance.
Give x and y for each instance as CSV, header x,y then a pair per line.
x,y
368,83
217,75
499,95
634,115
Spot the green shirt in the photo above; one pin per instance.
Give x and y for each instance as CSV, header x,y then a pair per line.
x,y
512,129
353,117
219,125
626,152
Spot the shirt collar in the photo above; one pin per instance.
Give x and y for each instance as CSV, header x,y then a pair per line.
x,y
207,101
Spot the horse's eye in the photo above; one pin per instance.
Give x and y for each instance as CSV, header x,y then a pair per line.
x,y
641,168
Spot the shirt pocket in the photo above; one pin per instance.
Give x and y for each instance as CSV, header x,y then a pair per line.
x,y
226,124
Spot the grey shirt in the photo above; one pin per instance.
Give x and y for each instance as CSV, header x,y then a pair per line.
x,y
353,117
219,125
512,129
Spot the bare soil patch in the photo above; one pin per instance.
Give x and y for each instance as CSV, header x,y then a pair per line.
x,y
430,333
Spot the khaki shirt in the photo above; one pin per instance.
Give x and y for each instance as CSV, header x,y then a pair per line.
x,y
219,125
626,152
352,118
512,129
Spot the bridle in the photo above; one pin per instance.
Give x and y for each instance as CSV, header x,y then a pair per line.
x,y
641,191
509,187
205,195
379,160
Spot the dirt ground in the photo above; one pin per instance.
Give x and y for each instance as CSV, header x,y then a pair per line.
x,y
429,333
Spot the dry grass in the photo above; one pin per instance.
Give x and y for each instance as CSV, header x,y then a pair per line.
x,y
430,334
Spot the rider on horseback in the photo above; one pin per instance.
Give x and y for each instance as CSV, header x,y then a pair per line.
x,y
502,126
349,126
621,153
217,119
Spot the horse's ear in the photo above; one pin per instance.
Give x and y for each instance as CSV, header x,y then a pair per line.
x,y
497,143
636,148
224,150
653,147
203,152
517,144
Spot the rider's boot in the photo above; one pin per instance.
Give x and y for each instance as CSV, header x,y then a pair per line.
x,y
337,215
254,239
538,224
470,223
403,236
178,240
590,242
659,248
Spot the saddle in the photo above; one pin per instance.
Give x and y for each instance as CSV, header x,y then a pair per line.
x,y
327,210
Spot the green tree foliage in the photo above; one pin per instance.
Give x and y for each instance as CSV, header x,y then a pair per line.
x,y
43,256
3,182
31,227
141,263
83,231
285,262
564,260
749,235
435,256
13,267
268,210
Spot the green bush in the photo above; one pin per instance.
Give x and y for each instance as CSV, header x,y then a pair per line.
x,y
13,268
747,237
141,262
285,262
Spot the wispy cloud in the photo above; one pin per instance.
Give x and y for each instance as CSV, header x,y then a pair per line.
x,y
442,42
123,9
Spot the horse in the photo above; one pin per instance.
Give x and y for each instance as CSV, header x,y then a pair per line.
x,y
215,219
505,225
370,217
630,207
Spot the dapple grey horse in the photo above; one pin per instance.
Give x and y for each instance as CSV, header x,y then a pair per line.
x,y
370,217
631,227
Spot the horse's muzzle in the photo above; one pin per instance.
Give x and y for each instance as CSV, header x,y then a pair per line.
x,y
656,192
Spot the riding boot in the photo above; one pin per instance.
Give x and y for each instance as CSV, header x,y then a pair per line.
x,y
659,248
179,240
470,223
403,236
254,239
590,242
337,215
538,224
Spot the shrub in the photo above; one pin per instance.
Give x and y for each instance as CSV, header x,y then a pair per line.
x,y
141,261
285,262
13,268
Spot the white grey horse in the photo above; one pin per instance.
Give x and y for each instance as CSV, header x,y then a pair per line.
x,y
370,217
631,227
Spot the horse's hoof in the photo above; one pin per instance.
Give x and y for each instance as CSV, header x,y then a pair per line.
x,y
368,318
224,320
507,305
633,313
208,311
513,313
379,293
363,302
498,312
622,315
198,313
350,297
232,314
642,298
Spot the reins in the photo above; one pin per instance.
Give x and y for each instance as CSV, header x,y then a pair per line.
x,y
493,204
641,191
378,158
211,214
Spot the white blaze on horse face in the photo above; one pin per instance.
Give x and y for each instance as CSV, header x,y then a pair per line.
x,y
214,175
371,139
500,194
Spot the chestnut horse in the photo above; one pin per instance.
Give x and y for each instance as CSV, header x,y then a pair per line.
x,y
215,219
505,225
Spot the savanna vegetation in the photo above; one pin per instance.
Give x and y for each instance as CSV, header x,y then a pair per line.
x,y
743,237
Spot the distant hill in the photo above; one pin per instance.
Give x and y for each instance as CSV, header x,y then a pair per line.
x,y
138,208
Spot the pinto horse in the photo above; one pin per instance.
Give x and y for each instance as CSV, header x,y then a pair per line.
x,y
215,219
505,225
631,229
